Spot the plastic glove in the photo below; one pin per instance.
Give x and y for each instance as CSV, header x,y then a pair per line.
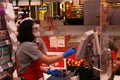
x,y
69,52
55,72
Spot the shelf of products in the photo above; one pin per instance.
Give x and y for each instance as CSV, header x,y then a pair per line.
x,y
77,11
74,11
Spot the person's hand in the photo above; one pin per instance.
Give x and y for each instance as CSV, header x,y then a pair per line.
x,y
69,52
55,72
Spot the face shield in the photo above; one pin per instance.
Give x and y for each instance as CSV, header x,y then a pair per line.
x,y
36,30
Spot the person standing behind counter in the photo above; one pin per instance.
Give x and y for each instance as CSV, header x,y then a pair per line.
x,y
40,43
28,54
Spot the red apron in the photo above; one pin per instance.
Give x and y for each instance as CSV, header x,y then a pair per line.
x,y
33,72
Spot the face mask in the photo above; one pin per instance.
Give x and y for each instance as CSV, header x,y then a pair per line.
x,y
36,34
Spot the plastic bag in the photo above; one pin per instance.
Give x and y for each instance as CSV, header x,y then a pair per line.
x,y
74,78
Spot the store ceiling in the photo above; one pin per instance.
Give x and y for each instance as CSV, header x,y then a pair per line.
x,y
56,0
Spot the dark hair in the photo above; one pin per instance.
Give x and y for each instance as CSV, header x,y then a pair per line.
x,y
25,32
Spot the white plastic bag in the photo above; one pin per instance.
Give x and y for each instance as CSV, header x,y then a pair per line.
x,y
74,78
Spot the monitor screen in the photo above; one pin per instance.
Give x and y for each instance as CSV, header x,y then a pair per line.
x,y
89,47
